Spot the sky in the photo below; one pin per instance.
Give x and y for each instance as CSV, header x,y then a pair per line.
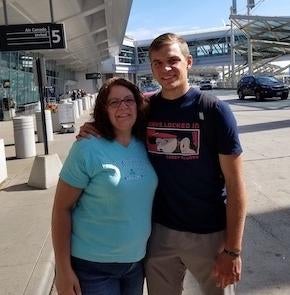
x,y
150,18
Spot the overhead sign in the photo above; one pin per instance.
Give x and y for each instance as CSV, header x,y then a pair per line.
x,y
93,76
32,37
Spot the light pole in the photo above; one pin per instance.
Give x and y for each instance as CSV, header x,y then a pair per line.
x,y
250,5
233,57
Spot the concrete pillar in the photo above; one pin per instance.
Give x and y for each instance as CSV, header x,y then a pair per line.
x,y
45,171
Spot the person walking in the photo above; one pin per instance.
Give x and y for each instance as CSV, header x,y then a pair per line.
x,y
101,217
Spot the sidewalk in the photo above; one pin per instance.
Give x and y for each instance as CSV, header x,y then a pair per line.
x,y
26,260
26,257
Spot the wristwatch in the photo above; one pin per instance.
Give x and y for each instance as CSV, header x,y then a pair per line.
x,y
232,253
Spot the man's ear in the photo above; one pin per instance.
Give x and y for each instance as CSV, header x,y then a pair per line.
x,y
189,61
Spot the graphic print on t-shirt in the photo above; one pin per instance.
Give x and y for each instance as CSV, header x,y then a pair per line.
x,y
173,141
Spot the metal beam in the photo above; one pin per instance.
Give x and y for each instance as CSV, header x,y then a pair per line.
x,y
83,13
96,31
5,12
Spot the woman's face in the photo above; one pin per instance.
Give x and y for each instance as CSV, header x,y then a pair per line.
x,y
122,109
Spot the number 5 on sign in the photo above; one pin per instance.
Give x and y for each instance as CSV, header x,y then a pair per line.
x,y
55,36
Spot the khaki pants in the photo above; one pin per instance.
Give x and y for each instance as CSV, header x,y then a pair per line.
x,y
171,252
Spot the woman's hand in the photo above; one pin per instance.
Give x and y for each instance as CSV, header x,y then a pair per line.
x,y
67,283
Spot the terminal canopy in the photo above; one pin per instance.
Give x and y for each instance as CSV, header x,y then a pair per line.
x,y
270,35
94,29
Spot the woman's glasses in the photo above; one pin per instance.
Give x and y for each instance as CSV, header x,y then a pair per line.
x,y
115,103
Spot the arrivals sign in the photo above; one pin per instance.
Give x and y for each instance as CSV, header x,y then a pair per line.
x,y
93,76
32,37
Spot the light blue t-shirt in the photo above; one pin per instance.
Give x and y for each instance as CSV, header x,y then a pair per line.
x,y
111,221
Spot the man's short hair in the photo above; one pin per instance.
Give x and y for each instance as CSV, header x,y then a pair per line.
x,y
166,39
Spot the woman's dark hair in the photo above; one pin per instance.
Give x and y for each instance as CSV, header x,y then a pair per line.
x,y
101,118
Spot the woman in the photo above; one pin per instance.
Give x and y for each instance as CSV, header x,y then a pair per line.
x,y
101,216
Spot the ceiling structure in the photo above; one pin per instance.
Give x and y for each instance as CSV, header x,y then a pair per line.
x,y
94,29
270,36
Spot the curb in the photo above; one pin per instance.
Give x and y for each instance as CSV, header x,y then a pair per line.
x,y
42,275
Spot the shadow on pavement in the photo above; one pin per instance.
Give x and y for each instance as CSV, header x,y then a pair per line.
x,y
9,144
19,188
267,158
267,104
266,253
11,158
264,126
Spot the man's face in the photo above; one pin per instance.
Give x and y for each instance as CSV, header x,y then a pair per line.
x,y
170,67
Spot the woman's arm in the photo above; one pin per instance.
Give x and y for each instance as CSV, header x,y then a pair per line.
x,y
65,198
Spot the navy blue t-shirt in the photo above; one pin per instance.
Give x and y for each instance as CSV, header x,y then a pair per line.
x,y
190,194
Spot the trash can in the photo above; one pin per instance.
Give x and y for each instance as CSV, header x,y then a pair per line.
x,y
24,138
49,129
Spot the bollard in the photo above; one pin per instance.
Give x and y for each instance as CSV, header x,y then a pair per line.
x,y
38,107
76,109
24,137
85,103
49,130
92,101
55,121
3,166
89,102
81,108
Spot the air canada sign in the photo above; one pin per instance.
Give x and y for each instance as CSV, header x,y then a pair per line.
x,y
32,37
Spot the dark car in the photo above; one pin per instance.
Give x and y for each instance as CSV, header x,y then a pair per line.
x,y
262,87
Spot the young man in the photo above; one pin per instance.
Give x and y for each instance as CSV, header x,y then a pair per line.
x,y
200,204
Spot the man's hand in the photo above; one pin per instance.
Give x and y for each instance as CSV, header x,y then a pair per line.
x,y
227,270
87,130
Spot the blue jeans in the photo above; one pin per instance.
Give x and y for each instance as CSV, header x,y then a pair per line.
x,y
98,278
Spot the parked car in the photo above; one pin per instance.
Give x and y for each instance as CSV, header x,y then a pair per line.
x,y
205,85
261,87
